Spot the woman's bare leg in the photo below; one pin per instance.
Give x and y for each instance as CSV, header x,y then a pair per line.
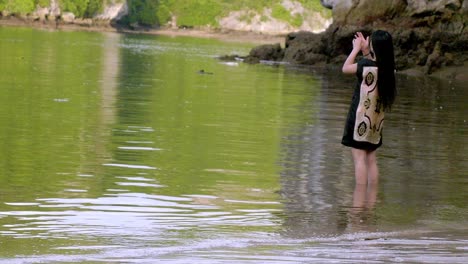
x,y
360,165
372,169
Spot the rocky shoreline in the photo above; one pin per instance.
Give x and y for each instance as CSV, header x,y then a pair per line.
x,y
430,39
108,26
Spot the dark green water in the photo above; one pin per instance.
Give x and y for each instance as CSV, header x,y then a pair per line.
x,y
115,149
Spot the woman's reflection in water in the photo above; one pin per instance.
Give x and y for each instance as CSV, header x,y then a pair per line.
x,y
361,216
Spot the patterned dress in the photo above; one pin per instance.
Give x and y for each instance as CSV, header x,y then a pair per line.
x,y
364,124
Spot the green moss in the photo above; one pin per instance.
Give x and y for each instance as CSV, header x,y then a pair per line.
x,y
297,21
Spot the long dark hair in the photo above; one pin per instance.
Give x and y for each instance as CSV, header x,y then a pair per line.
x,y
382,44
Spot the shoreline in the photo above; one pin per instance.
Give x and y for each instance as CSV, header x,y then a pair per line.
x,y
456,73
223,35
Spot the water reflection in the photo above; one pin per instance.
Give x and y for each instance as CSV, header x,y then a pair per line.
x,y
362,214
416,167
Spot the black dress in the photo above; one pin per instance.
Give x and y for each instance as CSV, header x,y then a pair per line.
x,y
364,124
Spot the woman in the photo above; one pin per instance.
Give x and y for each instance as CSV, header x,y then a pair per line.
x,y
374,94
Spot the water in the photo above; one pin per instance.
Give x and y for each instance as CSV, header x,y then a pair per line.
x,y
116,149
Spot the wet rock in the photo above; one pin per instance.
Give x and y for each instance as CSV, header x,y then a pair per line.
x,y
231,58
270,52
202,71
434,60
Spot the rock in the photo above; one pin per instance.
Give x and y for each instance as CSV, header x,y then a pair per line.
x,y
264,20
365,11
269,52
114,11
231,58
418,7
202,71
67,17
54,10
41,13
328,3
434,60
304,48
87,22
250,21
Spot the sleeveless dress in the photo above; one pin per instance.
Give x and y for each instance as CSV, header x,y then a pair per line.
x,y
364,124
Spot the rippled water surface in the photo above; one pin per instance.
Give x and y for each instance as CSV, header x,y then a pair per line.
x,y
119,149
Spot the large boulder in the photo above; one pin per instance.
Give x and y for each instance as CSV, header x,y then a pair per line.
x,y
267,52
304,48
360,12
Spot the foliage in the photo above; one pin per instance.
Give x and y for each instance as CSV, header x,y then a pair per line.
x,y
77,7
280,12
163,14
42,3
94,7
17,6
142,12
197,12
82,8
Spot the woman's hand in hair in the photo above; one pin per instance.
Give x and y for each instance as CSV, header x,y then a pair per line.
x,y
358,41
364,43
349,66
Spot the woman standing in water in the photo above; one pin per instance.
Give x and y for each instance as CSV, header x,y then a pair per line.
x,y
374,94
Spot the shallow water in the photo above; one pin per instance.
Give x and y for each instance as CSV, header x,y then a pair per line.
x,y
116,149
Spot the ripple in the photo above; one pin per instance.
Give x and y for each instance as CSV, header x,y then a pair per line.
x,y
139,184
128,166
140,148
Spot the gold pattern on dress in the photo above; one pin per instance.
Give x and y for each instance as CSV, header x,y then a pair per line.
x,y
369,113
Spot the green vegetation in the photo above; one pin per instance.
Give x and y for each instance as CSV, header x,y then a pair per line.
x,y
42,3
159,12
142,12
82,8
281,13
197,12
18,6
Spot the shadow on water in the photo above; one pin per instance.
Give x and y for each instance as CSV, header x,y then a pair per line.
x,y
142,159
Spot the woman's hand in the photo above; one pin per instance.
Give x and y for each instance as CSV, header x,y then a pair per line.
x,y
359,39
360,44
357,42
